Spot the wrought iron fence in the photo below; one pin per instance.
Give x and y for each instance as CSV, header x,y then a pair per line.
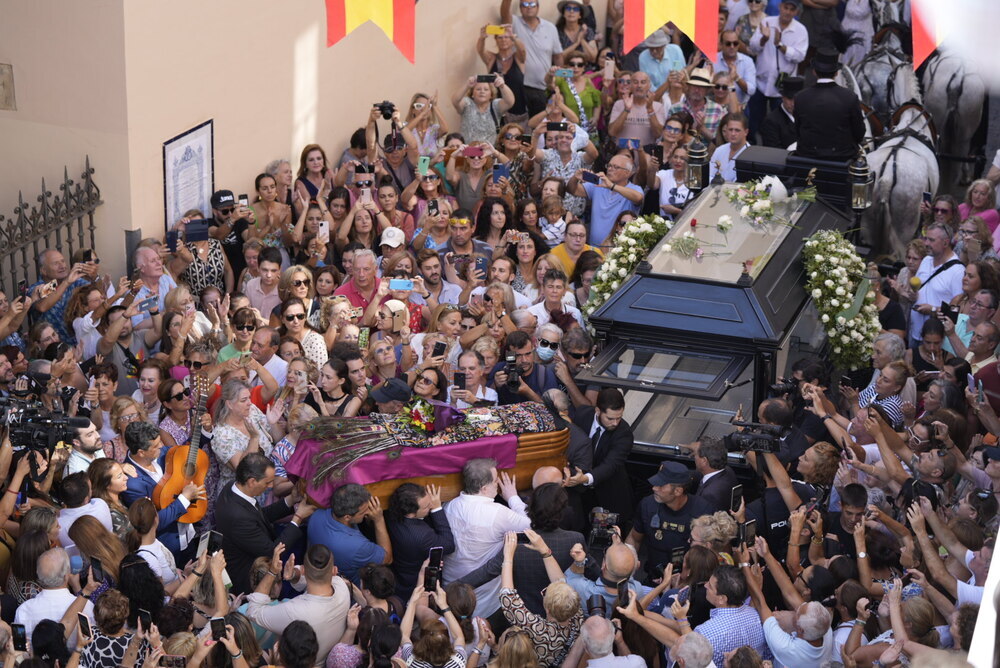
x,y
64,221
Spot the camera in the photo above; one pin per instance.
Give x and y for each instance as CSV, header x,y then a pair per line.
x,y
513,374
786,386
602,523
386,108
757,437
596,605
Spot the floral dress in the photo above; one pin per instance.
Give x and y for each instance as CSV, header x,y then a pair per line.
x,y
201,274
228,441
552,165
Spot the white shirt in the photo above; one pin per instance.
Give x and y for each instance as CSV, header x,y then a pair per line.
x,y
80,462
612,660
160,559
277,367
540,45
479,526
542,313
185,532
770,60
97,508
49,604
790,650
721,158
943,288
520,301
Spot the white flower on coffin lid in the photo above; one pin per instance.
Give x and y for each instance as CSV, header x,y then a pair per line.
x,y
778,191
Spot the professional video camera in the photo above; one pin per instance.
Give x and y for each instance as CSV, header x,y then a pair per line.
x,y
601,527
756,437
32,427
386,108
786,386
513,373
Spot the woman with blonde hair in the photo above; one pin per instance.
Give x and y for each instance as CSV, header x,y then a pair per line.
x,y
296,281
301,380
533,282
716,532
975,241
981,200
480,107
426,122
446,321
487,347
96,542
299,416
124,411
469,177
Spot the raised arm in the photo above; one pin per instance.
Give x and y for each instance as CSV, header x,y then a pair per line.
x,y
791,595
783,481
935,565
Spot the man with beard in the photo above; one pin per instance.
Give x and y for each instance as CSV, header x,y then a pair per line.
x,y
439,291
87,448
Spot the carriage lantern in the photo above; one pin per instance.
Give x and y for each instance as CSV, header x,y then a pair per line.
x,y
862,183
697,167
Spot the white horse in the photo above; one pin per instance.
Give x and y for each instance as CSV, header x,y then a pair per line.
x,y
953,94
905,166
885,12
872,73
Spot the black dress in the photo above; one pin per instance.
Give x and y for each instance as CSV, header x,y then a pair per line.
x,y
515,79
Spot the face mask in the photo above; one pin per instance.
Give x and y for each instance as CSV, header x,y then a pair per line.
x,y
545,354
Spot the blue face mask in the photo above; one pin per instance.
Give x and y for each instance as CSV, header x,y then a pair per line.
x,y
545,354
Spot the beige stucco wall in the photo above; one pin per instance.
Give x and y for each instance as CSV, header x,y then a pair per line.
x,y
115,79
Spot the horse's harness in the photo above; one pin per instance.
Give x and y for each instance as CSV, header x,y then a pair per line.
x,y
953,97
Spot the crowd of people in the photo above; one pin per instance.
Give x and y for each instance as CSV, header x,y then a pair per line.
x,y
454,267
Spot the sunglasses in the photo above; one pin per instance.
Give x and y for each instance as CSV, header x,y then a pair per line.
x,y
419,105
300,282
731,43
983,493
572,8
721,87
624,81
245,328
227,211
576,64
290,317
487,299
576,356
673,130
529,4
131,417
545,343
429,177
180,395
941,209
191,364
363,184
425,379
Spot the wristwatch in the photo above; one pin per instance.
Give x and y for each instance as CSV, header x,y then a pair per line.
x,y
862,555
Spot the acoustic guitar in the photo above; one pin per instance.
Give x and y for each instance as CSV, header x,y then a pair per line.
x,y
187,463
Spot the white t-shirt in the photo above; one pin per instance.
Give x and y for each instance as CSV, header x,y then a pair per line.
x,y
793,651
160,560
540,45
943,288
485,393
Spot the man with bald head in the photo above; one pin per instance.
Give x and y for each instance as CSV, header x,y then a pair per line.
x,y
620,563
982,346
155,282
608,198
636,115
55,597
52,292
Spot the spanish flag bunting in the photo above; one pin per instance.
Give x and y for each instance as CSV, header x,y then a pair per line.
x,y
926,33
698,19
396,18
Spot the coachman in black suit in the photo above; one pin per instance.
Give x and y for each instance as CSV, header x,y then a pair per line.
x,y
717,479
606,483
827,116
247,529
778,128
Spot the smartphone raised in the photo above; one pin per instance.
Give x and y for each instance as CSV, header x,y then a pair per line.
x,y
400,284
499,172
654,151
482,265
147,305
564,72
435,557
214,542
927,197
623,593
96,570
432,207
557,126
495,30
88,255
628,142
439,349
459,380
591,177
323,232
363,337
218,625
735,497
84,622
524,139
19,636
196,230
172,237
366,195
677,558
750,532
522,538
486,78
244,200
423,164
22,288
473,152
146,619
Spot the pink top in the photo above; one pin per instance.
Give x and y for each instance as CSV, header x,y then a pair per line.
x,y
990,216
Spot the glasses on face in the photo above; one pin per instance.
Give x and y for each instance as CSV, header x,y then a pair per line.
x,y
577,235
509,136
983,493
545,343
131,417
576,356
180,395
193,364
382,350
914,438
487,299
967,233
941,209
721,87
291,317
429,177
228,211
300,282
572,8
425,379
981,305
736,43
529,4
419,105
245,328
624,81
576,64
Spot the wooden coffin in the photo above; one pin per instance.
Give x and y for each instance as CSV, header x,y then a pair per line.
x,y
533,451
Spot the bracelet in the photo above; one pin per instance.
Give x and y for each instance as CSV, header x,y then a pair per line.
x,y
816,540
860,622
404,343
12,491
683,620
547,554
195,572
273,574
744,564
237,655
476,650
446,611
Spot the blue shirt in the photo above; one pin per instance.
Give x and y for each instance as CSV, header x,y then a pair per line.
x,y
729,628
673,59
586,588
54,316
605,205
351,550
747,70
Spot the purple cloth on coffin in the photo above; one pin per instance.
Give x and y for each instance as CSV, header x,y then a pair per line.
x,y
411,462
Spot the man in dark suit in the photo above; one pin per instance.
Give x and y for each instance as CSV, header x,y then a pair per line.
x,y
247,529
827,116
579,458
545,508
778,128
606,482
717,479
416,524
147,455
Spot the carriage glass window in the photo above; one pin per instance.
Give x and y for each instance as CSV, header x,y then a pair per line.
x,y
723,254
674,370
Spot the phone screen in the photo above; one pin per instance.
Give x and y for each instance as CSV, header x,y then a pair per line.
x,y
20,637
203,541
96,570
84,623
522,538
735,496
623,593
750,532
435,557
218,628
459,380
432,208
145,619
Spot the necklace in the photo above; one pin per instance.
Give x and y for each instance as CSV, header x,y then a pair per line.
x,y
503,59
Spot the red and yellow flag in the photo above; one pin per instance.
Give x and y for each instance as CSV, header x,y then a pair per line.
x,y
926,34
698,19
396,18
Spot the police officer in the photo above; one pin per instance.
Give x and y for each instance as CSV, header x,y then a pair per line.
x,y
664,517
778,129
827,116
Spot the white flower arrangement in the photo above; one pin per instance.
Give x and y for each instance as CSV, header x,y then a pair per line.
x,y
757,200
828,253
632,245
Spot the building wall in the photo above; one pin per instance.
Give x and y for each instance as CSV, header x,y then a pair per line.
x,y
117,79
